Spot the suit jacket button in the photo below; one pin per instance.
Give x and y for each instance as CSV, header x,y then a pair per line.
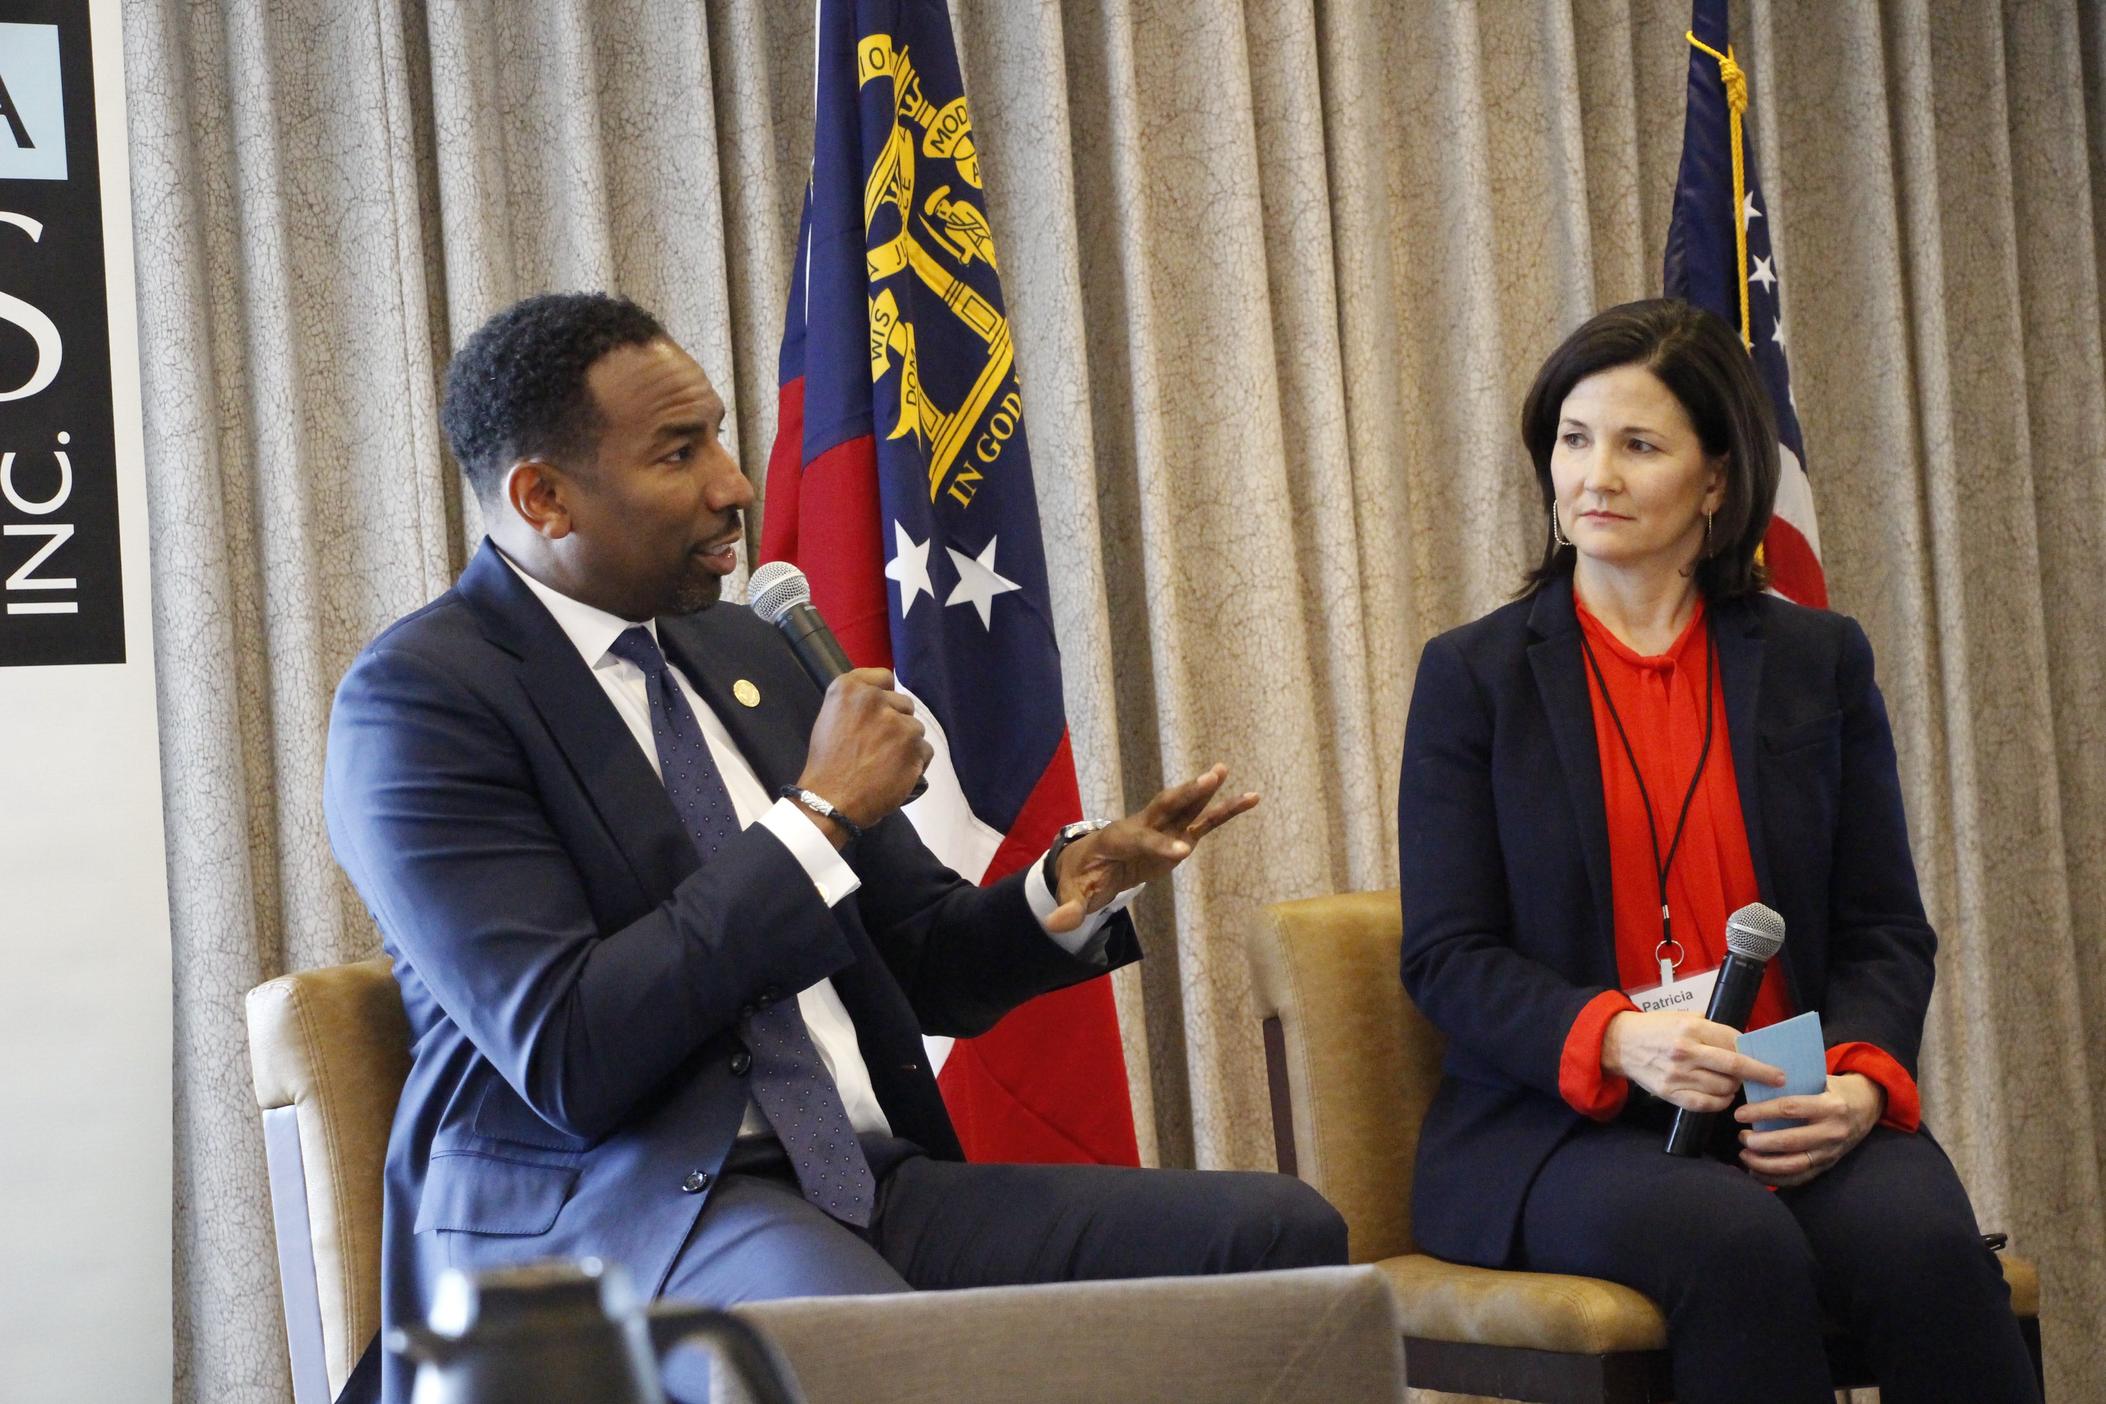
x,y
741,1063
696,1182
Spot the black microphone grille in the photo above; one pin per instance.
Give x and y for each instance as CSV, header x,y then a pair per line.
x,y
775,589
1755,932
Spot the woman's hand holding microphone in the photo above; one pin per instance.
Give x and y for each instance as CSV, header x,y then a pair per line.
x,y
1681,1058
1692,1062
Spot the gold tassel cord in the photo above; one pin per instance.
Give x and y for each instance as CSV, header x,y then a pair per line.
x,y
1736,81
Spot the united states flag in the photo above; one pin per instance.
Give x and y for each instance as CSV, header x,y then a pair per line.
x,y
1718,257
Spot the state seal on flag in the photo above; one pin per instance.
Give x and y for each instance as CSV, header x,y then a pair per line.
x,y
928,239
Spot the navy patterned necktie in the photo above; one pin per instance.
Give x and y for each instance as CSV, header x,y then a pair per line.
x,y
790,1082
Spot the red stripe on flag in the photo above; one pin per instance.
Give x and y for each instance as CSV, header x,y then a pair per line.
x,y
1056,800
785,473
1795,571
830,504
1048,1083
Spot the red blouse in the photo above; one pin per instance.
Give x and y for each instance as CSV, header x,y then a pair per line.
x,y
1661,703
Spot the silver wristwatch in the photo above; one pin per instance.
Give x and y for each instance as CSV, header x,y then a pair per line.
x,y
1067,835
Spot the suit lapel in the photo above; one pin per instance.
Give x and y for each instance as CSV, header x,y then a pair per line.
x,y
1561,679
708,649
1739,633
619,782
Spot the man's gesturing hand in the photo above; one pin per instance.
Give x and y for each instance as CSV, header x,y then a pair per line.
x,y
866,752
1681,1058
1141,847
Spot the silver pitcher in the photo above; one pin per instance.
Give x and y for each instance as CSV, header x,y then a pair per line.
x,y
562,1332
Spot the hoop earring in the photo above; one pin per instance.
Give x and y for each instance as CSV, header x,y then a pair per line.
x,y
1557,538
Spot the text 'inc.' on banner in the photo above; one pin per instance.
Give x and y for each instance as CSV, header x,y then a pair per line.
x,y
61,580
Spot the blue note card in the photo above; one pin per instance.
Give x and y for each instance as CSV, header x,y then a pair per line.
x,y
1795,1046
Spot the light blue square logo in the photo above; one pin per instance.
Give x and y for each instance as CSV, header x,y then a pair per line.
x,y
32,109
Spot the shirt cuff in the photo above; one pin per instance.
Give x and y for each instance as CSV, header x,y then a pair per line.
x,y
1043,903
827,869
1582,1082
1904,1105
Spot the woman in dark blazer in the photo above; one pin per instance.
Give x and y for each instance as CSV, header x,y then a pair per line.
x,y
1532,734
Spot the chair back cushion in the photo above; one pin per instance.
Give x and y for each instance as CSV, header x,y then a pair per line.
x,y
1362,1063
332,1046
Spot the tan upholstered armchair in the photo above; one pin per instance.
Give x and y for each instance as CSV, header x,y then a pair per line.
x,y
1353,1066
330,1048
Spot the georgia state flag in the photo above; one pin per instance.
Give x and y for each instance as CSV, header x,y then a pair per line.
x,y
900,482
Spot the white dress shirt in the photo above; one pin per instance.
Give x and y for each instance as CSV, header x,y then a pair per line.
x,y
593,632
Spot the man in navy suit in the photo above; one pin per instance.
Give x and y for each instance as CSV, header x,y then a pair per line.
x,y
666,945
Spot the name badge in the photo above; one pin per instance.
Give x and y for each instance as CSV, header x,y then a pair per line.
x,y
1688,994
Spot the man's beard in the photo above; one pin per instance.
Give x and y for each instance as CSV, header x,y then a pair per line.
x,y
694,596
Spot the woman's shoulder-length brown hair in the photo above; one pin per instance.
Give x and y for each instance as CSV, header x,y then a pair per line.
x,y
1703,363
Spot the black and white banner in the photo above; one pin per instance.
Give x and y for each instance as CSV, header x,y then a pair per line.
x,y
61,570
85,1022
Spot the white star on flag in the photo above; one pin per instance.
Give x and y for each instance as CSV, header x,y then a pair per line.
x,y
1778,335
1763,273
910,567
978,584
1748,211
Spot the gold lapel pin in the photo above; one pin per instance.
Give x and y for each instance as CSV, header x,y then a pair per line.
x,y
746,692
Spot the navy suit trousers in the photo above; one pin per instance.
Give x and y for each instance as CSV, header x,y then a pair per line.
x,y
1884,1243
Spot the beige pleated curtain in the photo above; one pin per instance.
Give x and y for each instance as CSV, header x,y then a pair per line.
x,y
1279,272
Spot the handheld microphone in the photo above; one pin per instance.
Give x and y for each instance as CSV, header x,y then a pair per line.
x,y
779,593
1754,934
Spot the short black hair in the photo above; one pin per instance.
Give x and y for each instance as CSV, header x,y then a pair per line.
x,y
1704,365
516,388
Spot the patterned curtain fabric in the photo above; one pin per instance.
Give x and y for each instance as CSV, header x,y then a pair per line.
x,y
1280,272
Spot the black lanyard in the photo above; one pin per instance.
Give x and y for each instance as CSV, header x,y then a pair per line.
x,y
1660,867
